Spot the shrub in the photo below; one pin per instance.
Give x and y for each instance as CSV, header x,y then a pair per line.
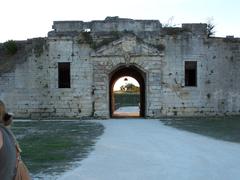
x,y
160,47
86,38
10,47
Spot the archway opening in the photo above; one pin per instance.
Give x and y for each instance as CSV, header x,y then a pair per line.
x,y
127,92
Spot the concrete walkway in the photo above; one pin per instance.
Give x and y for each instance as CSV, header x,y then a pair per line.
x,y
130,111
133,149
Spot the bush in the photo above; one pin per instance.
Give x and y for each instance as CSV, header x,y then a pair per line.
x,y
10,47
86,38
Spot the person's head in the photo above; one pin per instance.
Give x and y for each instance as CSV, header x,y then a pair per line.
x,y
5,118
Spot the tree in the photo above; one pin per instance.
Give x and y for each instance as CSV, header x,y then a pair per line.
x,y
129,88
210,27
122,88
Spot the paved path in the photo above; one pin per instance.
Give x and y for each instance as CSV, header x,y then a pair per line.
x,y
129,111
136,149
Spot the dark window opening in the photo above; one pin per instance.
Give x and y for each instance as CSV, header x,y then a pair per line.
x,y
190,73
64,75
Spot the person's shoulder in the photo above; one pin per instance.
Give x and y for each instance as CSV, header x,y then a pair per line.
x,y
2,128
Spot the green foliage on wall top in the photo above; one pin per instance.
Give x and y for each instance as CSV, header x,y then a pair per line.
x,y
10,47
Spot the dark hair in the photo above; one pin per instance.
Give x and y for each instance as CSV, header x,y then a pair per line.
x,y
7,119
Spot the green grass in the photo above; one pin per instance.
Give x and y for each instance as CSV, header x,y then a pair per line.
x,y
224,128
52,147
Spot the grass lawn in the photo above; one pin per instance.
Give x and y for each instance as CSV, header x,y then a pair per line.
x,y
225,128
52,147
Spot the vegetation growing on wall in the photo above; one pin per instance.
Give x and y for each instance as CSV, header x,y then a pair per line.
x,y
12,53
173,31
38,44
86,37
114,35
159,47
210,27
10,47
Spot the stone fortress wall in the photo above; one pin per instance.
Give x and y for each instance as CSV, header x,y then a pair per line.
x,y
95,50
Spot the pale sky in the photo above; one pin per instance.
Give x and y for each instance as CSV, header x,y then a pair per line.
x,y
24,19
121,82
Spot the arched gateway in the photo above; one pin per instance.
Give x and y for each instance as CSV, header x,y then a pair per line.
x,y
134,72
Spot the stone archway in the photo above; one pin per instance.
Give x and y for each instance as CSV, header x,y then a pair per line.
x,y
134,72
